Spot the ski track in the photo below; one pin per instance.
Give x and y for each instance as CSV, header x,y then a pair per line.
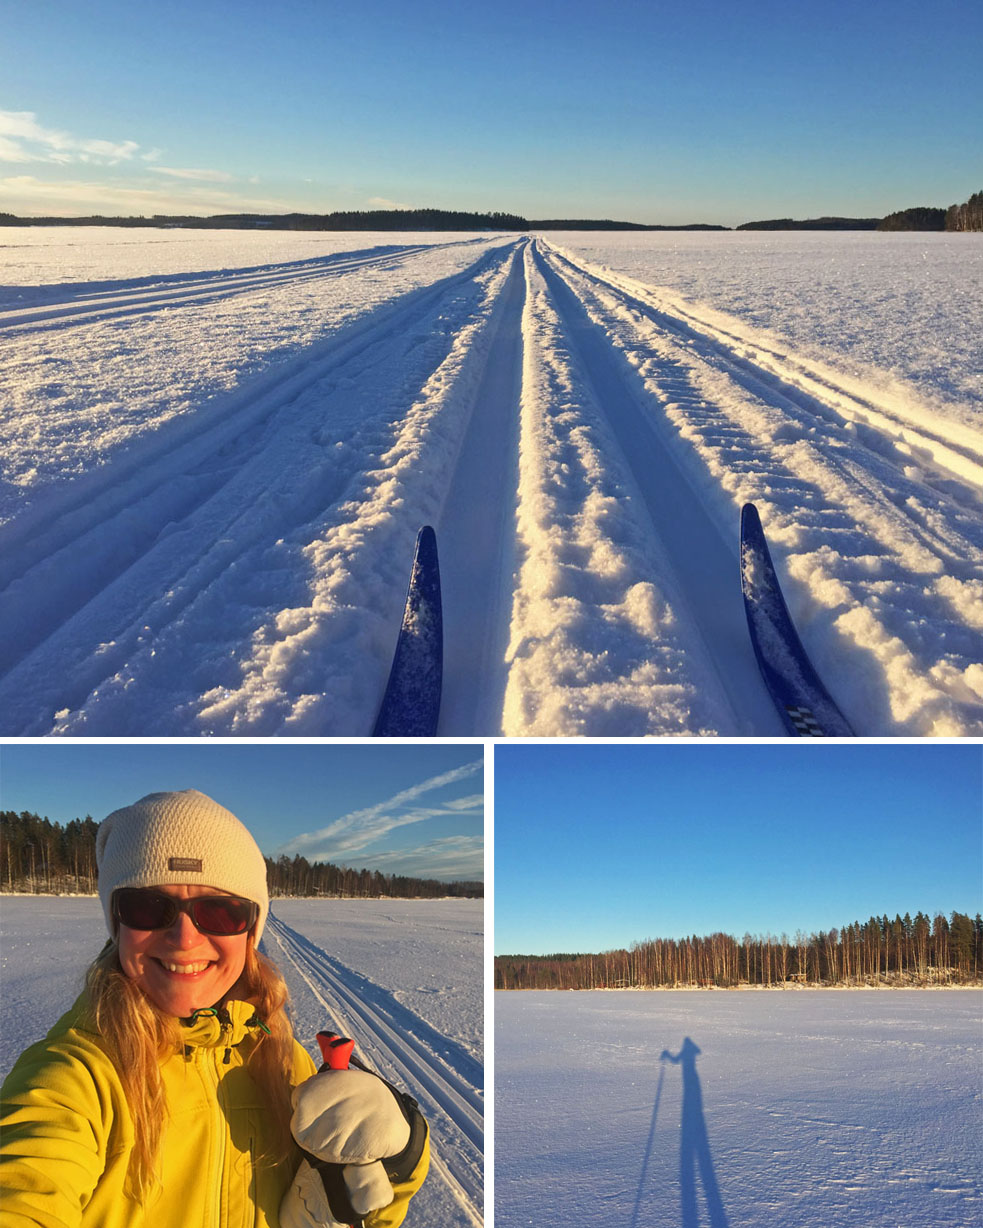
x,y
86,307
125,560
581,444
406,1050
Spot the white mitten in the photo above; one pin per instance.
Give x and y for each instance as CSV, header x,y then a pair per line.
x,y
348,1117
305,1204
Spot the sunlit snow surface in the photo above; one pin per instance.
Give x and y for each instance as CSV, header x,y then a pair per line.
x,y
404,978
884,306
218,448
783,1109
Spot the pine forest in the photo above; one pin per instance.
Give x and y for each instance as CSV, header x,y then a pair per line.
x,y
41,857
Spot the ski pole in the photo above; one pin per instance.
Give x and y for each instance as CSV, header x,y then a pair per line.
x,y
336,1050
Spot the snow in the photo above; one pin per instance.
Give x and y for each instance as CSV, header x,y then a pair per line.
x,y
403,977
818,1108
891,308
219,448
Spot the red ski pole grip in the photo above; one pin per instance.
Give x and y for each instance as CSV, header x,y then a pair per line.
x,y
336,1050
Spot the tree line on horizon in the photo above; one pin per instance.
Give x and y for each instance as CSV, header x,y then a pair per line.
x,y
38,857
922,951
968,216
964,217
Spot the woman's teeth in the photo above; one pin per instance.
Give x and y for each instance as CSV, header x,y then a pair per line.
x,y
184,969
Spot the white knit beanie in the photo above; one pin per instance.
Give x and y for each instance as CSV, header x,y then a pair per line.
x,y
175,838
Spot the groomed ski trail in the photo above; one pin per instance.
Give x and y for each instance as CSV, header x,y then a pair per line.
x,y
883,558
208,524
166,292
621,573
406,1050
583,445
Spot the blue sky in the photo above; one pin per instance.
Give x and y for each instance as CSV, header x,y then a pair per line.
x,y
414,809
600,846
633,109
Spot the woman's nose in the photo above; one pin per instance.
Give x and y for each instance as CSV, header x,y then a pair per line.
x,y
183,932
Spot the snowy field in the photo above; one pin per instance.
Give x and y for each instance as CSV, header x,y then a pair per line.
x,y
798,1109
218,448
403,977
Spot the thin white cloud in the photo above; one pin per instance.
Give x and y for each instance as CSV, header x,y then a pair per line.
x,y
447,859
28,196
178,172
25,140
360,829
474,802
11,151
106,151
380,202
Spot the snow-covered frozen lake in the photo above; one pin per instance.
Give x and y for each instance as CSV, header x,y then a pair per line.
x,y
218,447
405,978
775,1109
886,305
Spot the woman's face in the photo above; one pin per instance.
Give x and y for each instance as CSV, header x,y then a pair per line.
x,y
181,969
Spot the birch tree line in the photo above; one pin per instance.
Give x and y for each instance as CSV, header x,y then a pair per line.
x,y
968,216
924,950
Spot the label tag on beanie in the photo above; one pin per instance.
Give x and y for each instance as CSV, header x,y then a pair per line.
x,y
185,863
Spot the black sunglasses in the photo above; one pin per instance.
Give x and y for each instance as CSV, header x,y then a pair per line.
x,y
142,908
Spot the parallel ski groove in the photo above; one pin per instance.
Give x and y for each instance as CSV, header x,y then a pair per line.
x,y
129,301
800,387
80,559
698,571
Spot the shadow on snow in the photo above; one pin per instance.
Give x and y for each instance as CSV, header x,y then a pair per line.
x,y
694,1146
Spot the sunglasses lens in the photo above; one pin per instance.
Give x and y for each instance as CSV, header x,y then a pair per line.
x,y
213,914
222,914
144,910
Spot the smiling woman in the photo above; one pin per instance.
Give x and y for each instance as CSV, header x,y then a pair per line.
x,y
167,945
168,1088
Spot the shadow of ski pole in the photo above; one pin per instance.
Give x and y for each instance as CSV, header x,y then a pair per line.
x,y
648,1149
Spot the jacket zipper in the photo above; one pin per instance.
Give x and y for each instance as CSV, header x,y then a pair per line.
x,y
219,1131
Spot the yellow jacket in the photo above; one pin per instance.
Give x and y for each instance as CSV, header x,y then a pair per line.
x,y
66,1135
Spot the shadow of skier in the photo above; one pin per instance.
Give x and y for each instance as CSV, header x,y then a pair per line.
x,y
694,1145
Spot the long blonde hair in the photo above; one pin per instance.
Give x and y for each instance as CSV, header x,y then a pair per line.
x,y
139,1036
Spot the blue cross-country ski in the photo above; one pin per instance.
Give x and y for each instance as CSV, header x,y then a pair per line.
x,y
411,704
803,703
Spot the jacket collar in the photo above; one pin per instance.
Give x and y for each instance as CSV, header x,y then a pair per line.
x,y
225,1025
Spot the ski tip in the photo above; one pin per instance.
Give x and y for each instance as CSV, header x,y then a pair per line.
x,y
749,518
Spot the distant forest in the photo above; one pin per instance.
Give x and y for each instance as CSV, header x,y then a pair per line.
x,y
957,217
968,216
375,219
40,857
925,951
